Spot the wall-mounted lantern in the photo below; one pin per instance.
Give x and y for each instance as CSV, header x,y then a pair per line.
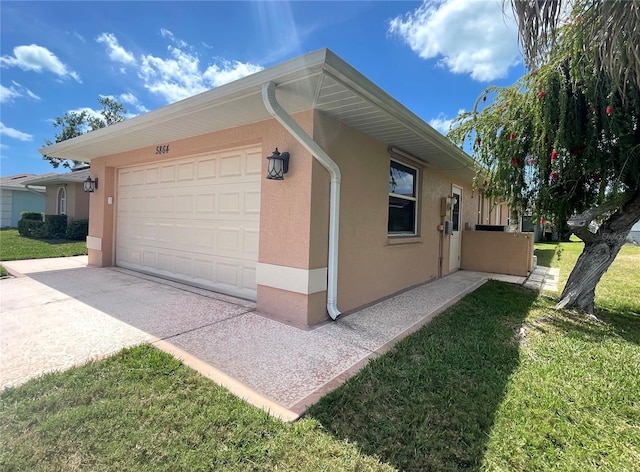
x,y
278,165
90,185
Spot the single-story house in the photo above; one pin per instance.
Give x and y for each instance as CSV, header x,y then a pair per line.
x,y
634,234
16,198
64,193
375,200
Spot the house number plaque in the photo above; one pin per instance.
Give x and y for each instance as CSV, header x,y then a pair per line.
x,y
164,149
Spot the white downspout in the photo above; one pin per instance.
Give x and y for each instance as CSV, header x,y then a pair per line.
x,y
273,107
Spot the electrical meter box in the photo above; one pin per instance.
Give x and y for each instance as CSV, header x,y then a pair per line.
x,y
446,203
448,227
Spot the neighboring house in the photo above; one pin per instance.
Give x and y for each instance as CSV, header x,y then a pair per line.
x,y
64,193
634,234
16,198
375,200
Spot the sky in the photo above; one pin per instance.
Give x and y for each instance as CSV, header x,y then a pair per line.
x,y
435,57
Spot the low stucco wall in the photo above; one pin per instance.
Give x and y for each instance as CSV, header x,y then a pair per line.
x,y
497,252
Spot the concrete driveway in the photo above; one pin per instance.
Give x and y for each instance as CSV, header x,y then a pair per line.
x,y
59,313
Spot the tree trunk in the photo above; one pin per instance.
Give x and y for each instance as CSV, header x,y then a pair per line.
x,y
600,250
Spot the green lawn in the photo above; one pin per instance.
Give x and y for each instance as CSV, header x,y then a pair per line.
x,y
618,292
144,410
15,247
500,381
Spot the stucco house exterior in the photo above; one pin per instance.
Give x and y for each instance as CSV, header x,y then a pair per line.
x,y
16,198
64,194
375,200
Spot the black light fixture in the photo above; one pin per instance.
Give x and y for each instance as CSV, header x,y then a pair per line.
x,y
278,165
90,185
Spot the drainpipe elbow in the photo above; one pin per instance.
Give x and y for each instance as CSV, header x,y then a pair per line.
x,y
333,311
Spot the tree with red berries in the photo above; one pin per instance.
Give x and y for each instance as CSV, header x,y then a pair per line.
x,y
564,141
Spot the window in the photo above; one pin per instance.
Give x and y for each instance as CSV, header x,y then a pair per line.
x,y
402,199
455,211
62,201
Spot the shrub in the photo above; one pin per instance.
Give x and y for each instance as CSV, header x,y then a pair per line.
x,y
55,226
30,228
78,230
31,215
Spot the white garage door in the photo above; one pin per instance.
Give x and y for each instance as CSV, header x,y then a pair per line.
x,y
195,220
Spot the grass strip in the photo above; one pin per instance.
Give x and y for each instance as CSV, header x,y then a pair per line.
x,y
14,247
501,381
144,410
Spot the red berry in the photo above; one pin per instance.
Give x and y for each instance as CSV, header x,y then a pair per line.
x,y
541,94
531,160
554,156
554,175
515,161
609,110
512,136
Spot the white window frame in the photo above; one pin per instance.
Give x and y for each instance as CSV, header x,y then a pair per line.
x,y
405,197
61,201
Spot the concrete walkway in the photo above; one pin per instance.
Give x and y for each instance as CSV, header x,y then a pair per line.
x,y
543,278
60,313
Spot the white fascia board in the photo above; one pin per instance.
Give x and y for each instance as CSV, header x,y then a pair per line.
x,y
300,66
351,78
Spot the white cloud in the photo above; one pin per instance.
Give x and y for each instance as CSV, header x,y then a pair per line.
x,y
9,94
169,35
443,123
14,133
116,52
469,36
131,99
179,76
37,58
89,111
228,71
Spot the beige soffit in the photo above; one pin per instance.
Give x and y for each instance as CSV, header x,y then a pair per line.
x,y
319,80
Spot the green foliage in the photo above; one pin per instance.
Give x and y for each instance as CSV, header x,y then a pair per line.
x,y
31,215
76,123
55,226
30,228
561,140
78,230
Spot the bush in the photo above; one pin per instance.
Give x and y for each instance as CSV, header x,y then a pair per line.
x,y
55,226
31,215
30,228
78,230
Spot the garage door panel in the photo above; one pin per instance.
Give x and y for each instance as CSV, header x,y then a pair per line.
x,y
215,273
253,163
207,168
195,220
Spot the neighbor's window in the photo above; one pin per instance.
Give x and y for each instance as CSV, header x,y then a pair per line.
x,y
62,201
402,199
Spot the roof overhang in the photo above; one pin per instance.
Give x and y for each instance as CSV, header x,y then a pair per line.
x,y
52,179
318,80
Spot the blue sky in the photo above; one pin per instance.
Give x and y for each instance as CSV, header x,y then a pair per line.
x,y
435,57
